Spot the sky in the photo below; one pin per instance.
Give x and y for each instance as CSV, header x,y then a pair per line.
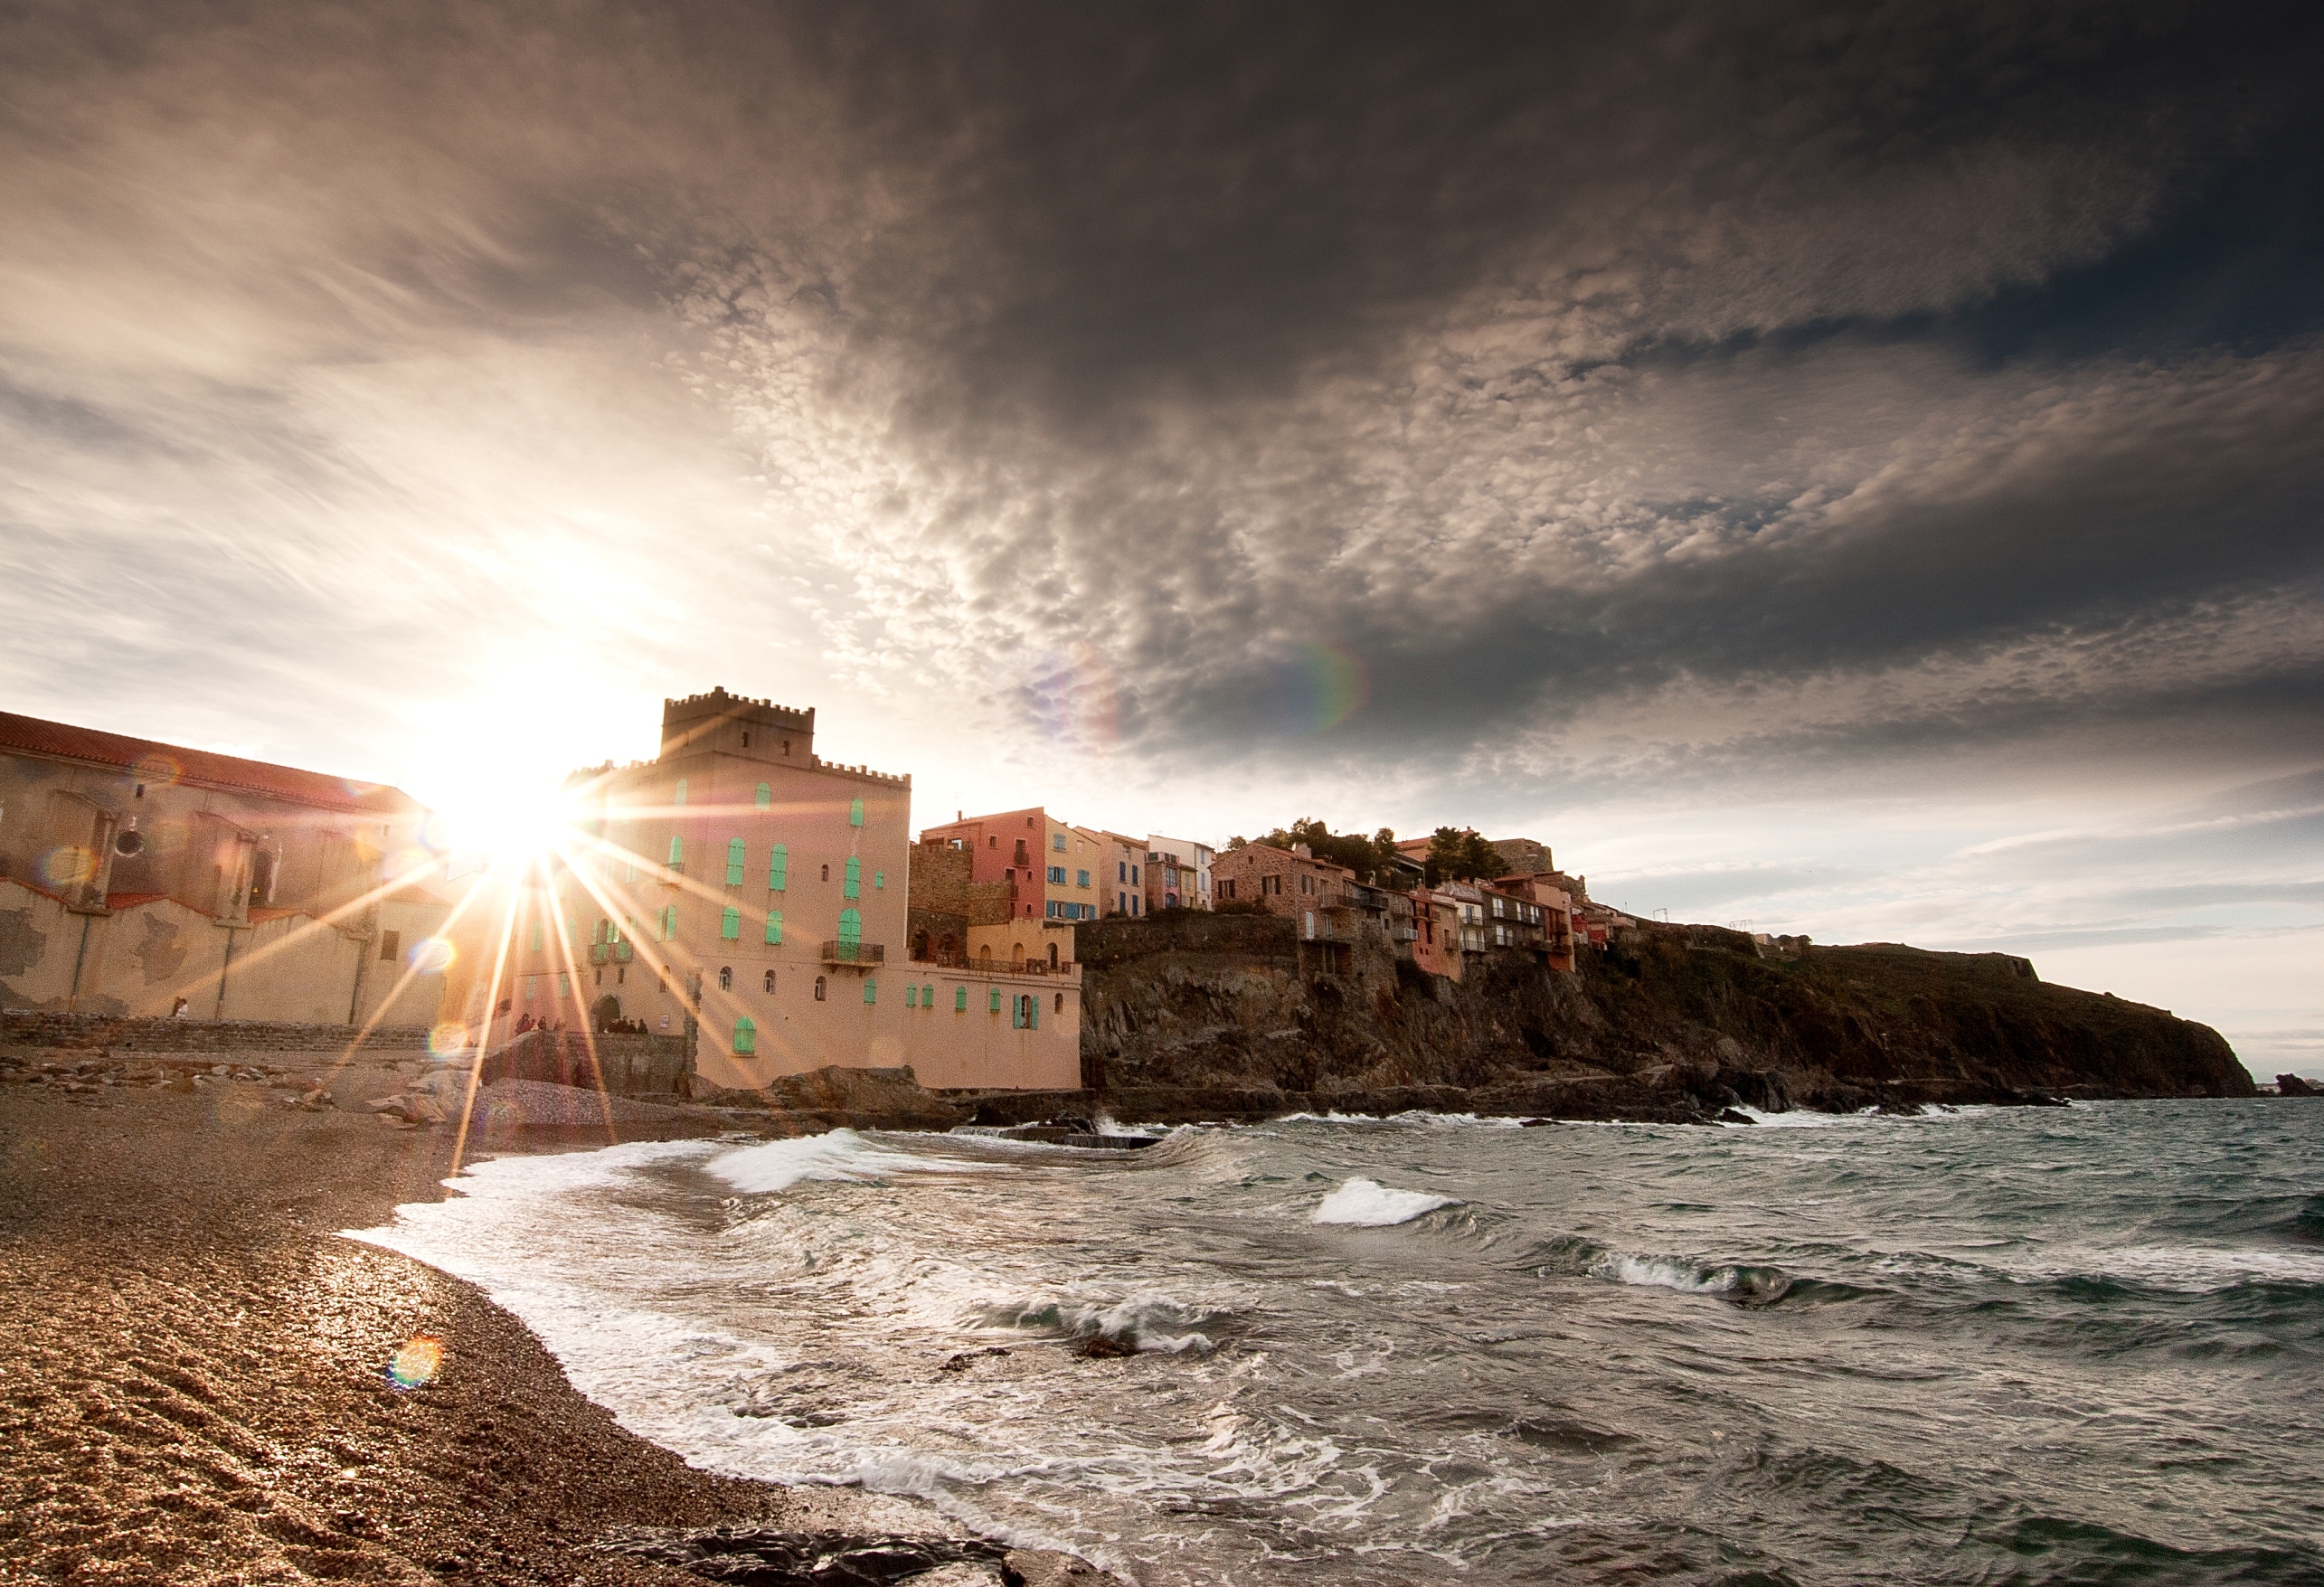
x,y
1848,469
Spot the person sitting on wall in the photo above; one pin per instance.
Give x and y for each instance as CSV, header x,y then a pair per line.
x,y
177,1009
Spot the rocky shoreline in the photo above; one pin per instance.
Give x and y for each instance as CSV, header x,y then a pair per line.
x,y
194,1387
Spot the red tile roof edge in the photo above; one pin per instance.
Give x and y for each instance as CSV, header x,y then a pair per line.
x,y
203,768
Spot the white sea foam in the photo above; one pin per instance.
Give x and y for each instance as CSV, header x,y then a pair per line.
x,y
1661,1272
1371,1204
841,1156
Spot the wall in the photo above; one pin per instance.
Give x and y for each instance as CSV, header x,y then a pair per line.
x,y
24,1029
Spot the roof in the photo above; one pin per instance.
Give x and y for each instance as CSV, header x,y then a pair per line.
x,y
159,762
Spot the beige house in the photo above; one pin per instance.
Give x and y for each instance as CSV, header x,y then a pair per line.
x,y
145,878
740,888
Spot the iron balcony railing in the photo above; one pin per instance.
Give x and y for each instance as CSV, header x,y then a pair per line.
x,y
847,951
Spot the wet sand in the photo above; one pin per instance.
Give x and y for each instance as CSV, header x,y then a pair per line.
x,y
193,1382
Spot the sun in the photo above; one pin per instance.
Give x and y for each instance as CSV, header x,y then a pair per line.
x,y
503,816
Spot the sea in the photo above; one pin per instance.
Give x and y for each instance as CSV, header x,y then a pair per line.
x,y
2076,1345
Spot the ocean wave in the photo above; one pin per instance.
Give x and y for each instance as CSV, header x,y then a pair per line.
x,y
1746,1284
1142,1323
1368,1203
842,1156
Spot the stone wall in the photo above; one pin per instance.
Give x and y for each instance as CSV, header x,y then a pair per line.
x,y
630,1065
30,1028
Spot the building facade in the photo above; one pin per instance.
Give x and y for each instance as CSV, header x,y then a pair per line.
x,y
145,878
1177,874
740,888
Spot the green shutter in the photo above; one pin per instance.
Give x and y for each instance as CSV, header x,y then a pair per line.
x,y
730,924
854,888
681,797
850,926
911,996
677,852
993,1005
856,813
532,939
775,928
1016,1013
880,880
746,1037
669,922
871,991
927,995
734,855
764,797
779,864
960,999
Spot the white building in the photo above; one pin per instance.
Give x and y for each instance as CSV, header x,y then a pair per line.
x,y
1177,874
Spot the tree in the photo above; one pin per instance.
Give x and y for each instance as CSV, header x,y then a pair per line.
x,y
1368,858
1457,853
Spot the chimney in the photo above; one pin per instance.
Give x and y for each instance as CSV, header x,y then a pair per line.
x,y
1304,851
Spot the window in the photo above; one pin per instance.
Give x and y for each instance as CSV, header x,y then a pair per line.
x,y
734,857
390,945
681,797
960,999
669,922
730,924
911,996
677,852
774,935
1271,885
879,881
853,886
1057,874
778,866
994,1001
1061,1002
927,995
992,842
826,873
746,1037
855,812
764,797
726,978
1057,842
532,937
1121,870
1053,956
767,981
851,928
1133,875
819,989
871,991
746,739
1080,878
564,983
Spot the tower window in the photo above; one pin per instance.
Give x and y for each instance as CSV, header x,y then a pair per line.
x,y
764,797
855,812
769,980
819,989
730,927
726,978
734,857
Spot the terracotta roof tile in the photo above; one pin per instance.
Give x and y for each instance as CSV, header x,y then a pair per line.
x,y
174,763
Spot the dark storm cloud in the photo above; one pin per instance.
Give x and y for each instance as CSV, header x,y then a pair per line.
x,y
1702,385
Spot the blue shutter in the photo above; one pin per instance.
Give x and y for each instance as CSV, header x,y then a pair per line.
x,y
734,858
775,928
854,887
779,864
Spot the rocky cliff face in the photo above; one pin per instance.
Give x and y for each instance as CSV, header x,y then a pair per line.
x,y
1234,1014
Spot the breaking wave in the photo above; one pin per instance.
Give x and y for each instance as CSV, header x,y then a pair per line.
x,y
1368,1203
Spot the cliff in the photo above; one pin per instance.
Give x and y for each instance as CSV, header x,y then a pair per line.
x,y
1233,1015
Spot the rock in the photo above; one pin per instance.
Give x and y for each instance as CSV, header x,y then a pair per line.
x,y
1735,1116
2291,1085
1040,1567
1103,1347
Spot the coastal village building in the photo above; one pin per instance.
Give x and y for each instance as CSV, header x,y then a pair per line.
x,y
741,889
1125,863
1177,874
146,878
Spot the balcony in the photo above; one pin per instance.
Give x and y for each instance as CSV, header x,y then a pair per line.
x,y
597,953
622,952
847,951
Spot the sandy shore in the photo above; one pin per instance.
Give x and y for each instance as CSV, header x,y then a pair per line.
x,y
192,1383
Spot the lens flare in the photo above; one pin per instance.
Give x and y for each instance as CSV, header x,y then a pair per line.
x,y
417,1364
435,834
430,956
1327,685
449,1039
68,866
157,771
